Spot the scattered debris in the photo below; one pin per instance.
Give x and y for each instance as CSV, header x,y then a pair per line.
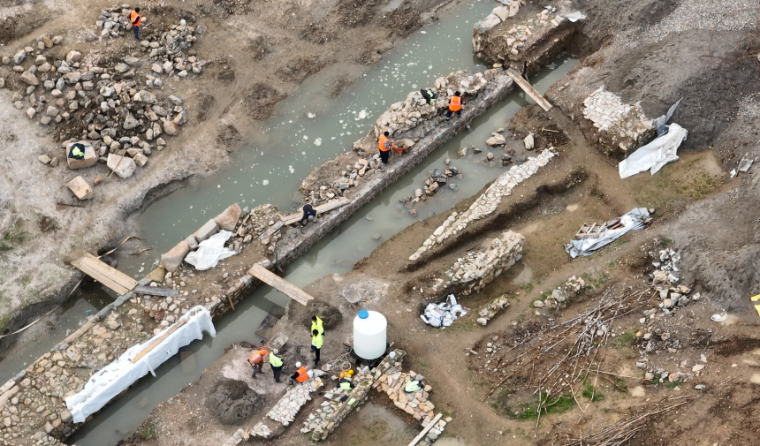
x,y
492,309
444,313
745,164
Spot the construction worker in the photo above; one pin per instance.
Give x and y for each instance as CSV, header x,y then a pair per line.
x,y
136,19
316,324
309,213
275,360
429,95
346,384
299,376
77,151
385,147
455,105
414,385
316,344
257,360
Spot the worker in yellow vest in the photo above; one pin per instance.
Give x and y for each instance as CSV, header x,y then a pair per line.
x,y
316,324
275,360
316,344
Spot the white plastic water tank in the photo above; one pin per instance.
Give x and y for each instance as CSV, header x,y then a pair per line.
x,y
369,334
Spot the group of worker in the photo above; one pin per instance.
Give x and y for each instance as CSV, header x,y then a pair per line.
x,y
261,354
455,106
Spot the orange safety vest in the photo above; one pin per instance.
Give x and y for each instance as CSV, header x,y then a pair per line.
x,y
135,18
381,143
456,103
302,376
257,356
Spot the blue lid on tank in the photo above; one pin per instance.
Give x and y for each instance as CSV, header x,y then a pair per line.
x,y
364,314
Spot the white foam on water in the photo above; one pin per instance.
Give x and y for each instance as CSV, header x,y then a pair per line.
x,y
318,142
305,137
310,115
363,114
264,182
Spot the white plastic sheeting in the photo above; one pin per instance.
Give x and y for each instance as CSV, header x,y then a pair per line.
x,y
632,220
122,373
654,155
444,313
210,251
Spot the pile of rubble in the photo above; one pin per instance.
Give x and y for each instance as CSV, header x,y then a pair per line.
x,y
492,309
621,128
317,190
664,281
435,181
114,21
443,314
564,293
479,267
167,50
406,115
486,203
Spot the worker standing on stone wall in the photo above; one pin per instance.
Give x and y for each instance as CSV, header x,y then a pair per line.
x,y
384,145
316,344
257,360
455,105
276,362
136,19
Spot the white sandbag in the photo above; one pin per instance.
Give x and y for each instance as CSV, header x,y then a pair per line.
x,y
210,251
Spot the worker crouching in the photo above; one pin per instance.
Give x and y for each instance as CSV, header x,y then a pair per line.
x,y
300,375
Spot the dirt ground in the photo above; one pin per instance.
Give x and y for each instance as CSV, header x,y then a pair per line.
x,y
259,53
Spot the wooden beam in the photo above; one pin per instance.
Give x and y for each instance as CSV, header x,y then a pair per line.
x,y
270,232
528,88
155,291
279,284
108,276
155,343
425,431
321,209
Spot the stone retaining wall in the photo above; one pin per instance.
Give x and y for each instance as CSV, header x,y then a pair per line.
x,y
615,128
478,268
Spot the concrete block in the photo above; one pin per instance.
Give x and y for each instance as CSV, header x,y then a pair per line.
x,y
229,218
81,189
206,231
90,156
123,166
173,259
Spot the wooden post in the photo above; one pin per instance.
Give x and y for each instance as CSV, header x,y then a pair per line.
x,y
425,431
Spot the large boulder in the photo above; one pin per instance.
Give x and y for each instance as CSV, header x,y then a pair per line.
x,y
123,166
173,259
229,218
81,189
90,156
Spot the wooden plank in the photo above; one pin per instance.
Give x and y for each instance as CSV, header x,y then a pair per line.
x,y
279,284
155,343
528,88
155,291
425,431
321,209
270,232
110,277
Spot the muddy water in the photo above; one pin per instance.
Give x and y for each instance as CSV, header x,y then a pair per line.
x,y
308,130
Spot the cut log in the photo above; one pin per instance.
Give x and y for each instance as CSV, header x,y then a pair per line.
x,y
528,88
280,284
321,209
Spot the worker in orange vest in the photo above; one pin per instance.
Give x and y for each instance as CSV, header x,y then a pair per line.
x,y
299,376
384,144
136,19
455,105
257,360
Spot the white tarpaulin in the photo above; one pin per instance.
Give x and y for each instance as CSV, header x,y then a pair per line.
x,y
210,251
654,155
632,220
122,373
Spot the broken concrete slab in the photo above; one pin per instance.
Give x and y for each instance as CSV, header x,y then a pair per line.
x,y
89,160
123,166
81,189
207,230
173,259
229,218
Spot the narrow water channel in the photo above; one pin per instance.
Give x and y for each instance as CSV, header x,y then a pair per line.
x,y
308,129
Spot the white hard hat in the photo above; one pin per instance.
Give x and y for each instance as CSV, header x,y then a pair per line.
x,y
275,351
311,217
298,364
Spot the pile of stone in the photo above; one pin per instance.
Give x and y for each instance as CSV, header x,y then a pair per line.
x,y
486,204
621,128
317,191
492,309
568,291
114,21
285,411
479,267
406,115
435,181
167,50
164,310
336,406
664,281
